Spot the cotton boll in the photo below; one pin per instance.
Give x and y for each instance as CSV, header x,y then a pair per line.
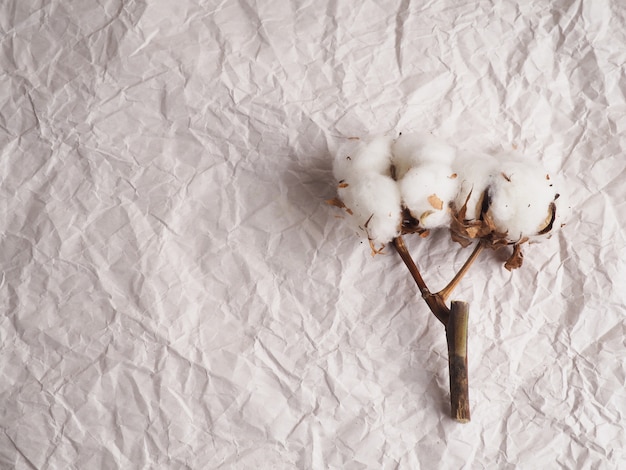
x,y
374,201
475,174
367,190
521,195
427,191
411,150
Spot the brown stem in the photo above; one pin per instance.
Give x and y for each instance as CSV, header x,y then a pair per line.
x,y
435,301
455,321
456,335
446,291
398,242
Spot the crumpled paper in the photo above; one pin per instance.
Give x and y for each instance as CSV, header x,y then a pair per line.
x,y
176,293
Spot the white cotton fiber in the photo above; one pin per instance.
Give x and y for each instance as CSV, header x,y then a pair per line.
x,y
374,156
475,172
364,156
374,201
521,194
432,180
427,190
411,150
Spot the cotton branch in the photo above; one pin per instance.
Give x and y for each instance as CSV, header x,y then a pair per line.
x,y
415,184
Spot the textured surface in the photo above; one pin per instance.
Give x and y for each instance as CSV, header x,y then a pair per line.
x,y
176,294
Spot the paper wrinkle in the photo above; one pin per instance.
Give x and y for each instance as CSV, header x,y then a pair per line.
x,y
176,293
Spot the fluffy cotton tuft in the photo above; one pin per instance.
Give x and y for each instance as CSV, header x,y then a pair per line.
x,y
411,150
364,157
427,191
521,195
367,189
374,201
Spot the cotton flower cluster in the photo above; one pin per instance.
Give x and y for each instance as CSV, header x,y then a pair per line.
x,y
416,183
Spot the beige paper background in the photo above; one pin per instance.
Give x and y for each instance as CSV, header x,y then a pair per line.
x,y
176,294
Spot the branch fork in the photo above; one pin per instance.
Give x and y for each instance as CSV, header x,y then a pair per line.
x,y
455,320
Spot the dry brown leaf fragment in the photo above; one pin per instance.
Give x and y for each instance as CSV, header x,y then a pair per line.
x,y
393,172
463,231
435,202
410,224
463,209
516,259
464,242
376,251
549,222
472,231
484,203
336,202
339,203
489,226
497,242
